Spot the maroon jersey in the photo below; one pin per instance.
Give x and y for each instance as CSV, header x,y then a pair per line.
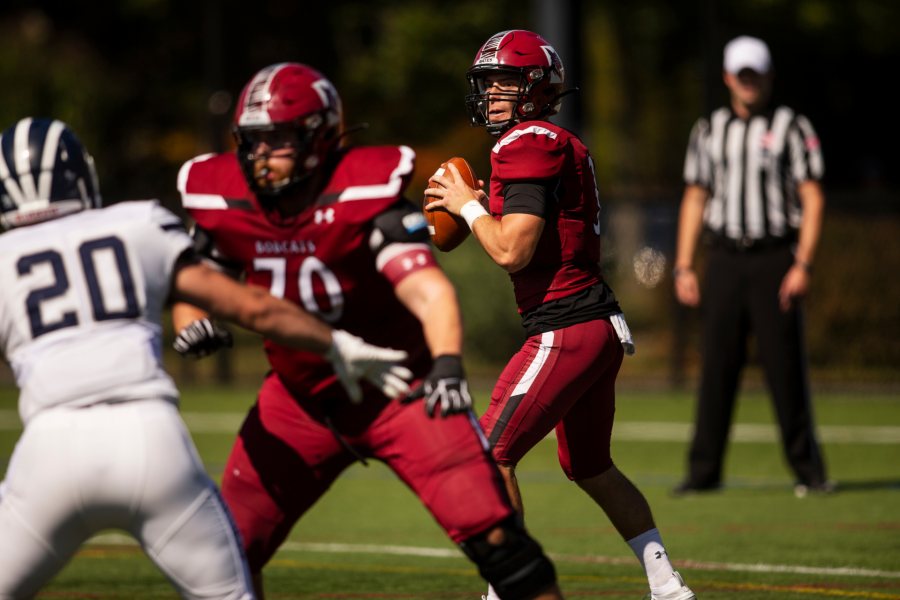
x,y
325,258
567,257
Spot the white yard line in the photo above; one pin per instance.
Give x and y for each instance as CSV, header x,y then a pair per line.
x,y
642,431
753,433
115,539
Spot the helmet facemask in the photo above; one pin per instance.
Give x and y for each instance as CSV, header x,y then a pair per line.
x,y
290,111
307,141
536,97
521,56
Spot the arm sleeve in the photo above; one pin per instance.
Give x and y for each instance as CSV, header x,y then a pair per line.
x,y
529,197
160,249
401,223
697,166
204,247
805,151
400,242
171,239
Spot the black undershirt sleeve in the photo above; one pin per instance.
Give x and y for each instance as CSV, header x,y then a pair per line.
x,y
205,249
529,197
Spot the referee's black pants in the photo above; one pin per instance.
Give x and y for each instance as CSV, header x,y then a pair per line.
x,y
740,296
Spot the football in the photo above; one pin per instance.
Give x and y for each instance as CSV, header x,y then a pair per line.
x,y
447,230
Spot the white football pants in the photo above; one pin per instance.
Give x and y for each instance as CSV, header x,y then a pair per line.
x,y
129,466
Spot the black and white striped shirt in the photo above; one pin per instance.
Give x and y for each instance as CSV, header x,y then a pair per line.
x,y
752,169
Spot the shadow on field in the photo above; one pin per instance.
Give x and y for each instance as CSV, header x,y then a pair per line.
x,y
868,485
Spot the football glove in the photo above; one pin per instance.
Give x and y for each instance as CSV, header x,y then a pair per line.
x,y
444,386
201,338
354,359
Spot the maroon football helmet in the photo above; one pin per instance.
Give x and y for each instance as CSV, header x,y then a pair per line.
x,y
287,105
529,58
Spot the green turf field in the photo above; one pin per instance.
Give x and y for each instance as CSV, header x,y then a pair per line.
x,y
369,538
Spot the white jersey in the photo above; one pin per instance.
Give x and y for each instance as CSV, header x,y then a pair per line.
x,y
80,305
104,447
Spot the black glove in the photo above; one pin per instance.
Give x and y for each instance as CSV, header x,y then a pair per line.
x,y
445,385
201,338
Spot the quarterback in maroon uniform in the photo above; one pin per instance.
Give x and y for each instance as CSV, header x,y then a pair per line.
x,y
542,226
327,226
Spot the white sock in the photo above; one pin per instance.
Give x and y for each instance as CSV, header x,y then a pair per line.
x,y
492,595
650,551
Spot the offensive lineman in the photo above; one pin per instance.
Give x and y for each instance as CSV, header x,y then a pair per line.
x,y
81,295
327,227
543,228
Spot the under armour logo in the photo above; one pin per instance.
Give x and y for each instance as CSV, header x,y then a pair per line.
x,y
408,263
324,216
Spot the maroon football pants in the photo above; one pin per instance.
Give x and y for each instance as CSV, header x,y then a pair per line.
x,y
286,457
564,380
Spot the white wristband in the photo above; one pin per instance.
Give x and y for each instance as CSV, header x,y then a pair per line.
x,y
471,210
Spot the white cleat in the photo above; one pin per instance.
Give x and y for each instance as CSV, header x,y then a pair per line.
x,y
678,591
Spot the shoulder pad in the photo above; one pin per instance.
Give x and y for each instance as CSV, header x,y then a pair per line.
x,y
213,182
147,210
204,243
533,150
371,173
403,223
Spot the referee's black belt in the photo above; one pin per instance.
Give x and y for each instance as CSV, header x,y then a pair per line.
x,y
749,244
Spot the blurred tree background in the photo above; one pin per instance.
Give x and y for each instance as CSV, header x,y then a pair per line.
x,y
148,84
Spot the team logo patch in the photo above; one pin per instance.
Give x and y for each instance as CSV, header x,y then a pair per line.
x,y
414,222
324,216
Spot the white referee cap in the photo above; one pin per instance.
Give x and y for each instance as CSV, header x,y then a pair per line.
x,y
747,52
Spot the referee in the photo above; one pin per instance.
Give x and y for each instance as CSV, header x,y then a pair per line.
x,y
753,195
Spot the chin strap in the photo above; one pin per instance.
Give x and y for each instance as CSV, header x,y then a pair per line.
x,y
564,93
350,130
498,129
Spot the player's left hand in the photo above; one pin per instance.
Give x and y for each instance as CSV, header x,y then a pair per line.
x,y
354,359
793,287
201,338
444,386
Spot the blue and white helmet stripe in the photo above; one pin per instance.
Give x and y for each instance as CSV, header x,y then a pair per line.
x,y
45,173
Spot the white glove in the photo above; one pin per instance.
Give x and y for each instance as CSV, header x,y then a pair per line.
x,y
354,359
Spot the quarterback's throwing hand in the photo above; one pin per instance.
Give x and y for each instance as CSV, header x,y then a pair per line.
x,y
201,338
444,386
354,359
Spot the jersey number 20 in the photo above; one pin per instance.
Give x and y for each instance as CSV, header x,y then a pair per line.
x,y
60,285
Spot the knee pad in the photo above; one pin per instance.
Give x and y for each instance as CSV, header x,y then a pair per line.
x,y
518,568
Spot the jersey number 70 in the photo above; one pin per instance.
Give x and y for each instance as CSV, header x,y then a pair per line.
x,y
309,267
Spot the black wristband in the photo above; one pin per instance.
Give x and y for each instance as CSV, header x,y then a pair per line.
x,y
447,365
